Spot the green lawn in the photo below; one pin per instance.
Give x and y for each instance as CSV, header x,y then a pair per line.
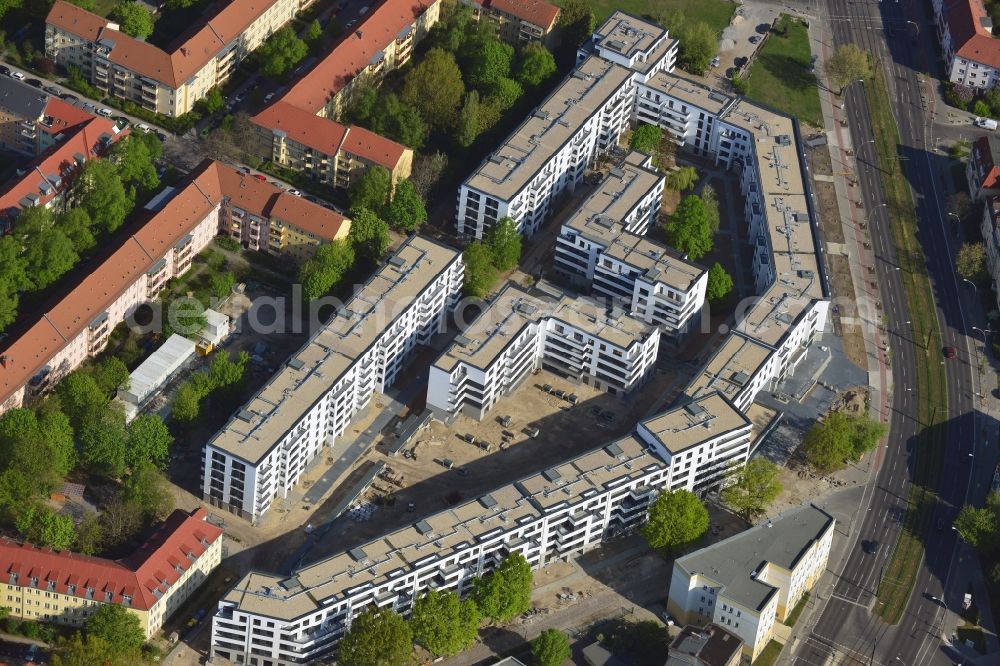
x,y
793,617
716,13
780,76
769,655
104,7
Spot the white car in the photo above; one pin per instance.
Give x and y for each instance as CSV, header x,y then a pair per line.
x,y
107,113
715,61
144,128
294,192
268,97
17,75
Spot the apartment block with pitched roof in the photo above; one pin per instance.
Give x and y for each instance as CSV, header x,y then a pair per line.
x,y
167,81
982,172
971,52
519,21
40,584
181,222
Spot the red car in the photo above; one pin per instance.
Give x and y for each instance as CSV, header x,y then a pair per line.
x,y
949,352
259,176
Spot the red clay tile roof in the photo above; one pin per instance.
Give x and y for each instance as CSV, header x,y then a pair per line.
x,y
174,68
539,12
61,116
986,152
969,37
145,576
328,136
208,185
85,140
319,85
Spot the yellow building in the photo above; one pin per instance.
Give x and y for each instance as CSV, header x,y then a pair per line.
x,y
169,83
67,588
519,21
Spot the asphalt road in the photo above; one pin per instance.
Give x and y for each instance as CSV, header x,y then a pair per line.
x,y
847,632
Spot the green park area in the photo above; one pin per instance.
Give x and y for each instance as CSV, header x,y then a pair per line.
x,y
780,75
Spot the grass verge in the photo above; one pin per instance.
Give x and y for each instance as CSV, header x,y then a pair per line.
x,y
930,389
793,617
780,76
716,13
769,655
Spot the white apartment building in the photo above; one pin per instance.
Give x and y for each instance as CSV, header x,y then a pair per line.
x,y
263,450
271,620
160,81
583,118
522,331
751,580
971,53
601,247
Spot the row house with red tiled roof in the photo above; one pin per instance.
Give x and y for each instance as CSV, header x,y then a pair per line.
x,y
519,21
971,53
41,584
299,131
170,81
216,199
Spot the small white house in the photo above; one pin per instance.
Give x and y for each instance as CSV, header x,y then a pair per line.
x,y
218,327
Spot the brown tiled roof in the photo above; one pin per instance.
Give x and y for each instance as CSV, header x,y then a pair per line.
x,y
539,12
62,115
328,136
986,152
173,68
208,185
969,37
145,576
60,160
319,85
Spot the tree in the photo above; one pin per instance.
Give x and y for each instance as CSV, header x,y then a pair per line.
x,y
444,624
698,44
87,651
77,225
505,93
281,52
970,262
399,121
676,518
314,31
134,18
977,526
468,120
489,114
149,441
688,228
741,86
992,97
505,593
551,648
839,438
480,273
213,101
577,21
646,138
406,211
111,375
89,536
134,157
682,179
848,63
187,404
148,491
981,108
711,201
489,64
120,521
104,441
80,396
427,171
13,267
42,526
505,244
50,255
117,627
35,454
754,486
222,284
362,104
372,190
719,283
434,86
377,637
369,233
535,65
99,191
324,270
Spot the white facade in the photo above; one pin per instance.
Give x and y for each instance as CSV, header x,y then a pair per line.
x,y
751,580
154,372
974,60
520,332
264,449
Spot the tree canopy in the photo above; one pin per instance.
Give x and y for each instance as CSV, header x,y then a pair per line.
x,y
324,270
480,273
646,138
369,233
100,192
504,242
753,487
444,624
467,128
42,526
719,283
682,179
551,648
980,527
688,228
676,518
371,190
406,212
535,64
149,440
577,21
435,87
505,593
848,63
134,18
970,262
490,63
281,52
116,626
840,438
377,637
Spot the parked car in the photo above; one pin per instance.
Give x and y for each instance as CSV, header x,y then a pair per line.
x,y
755,39
294,192
17,75
144,128
52,90
985,123
260,177
269,96
69,97
244,169
4,70
716,61
107,113
949,352
161,136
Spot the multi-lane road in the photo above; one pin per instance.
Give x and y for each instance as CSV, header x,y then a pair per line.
x,y
899,35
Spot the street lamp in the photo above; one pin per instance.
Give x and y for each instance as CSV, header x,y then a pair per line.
x,y
972,283
984,332
872,211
